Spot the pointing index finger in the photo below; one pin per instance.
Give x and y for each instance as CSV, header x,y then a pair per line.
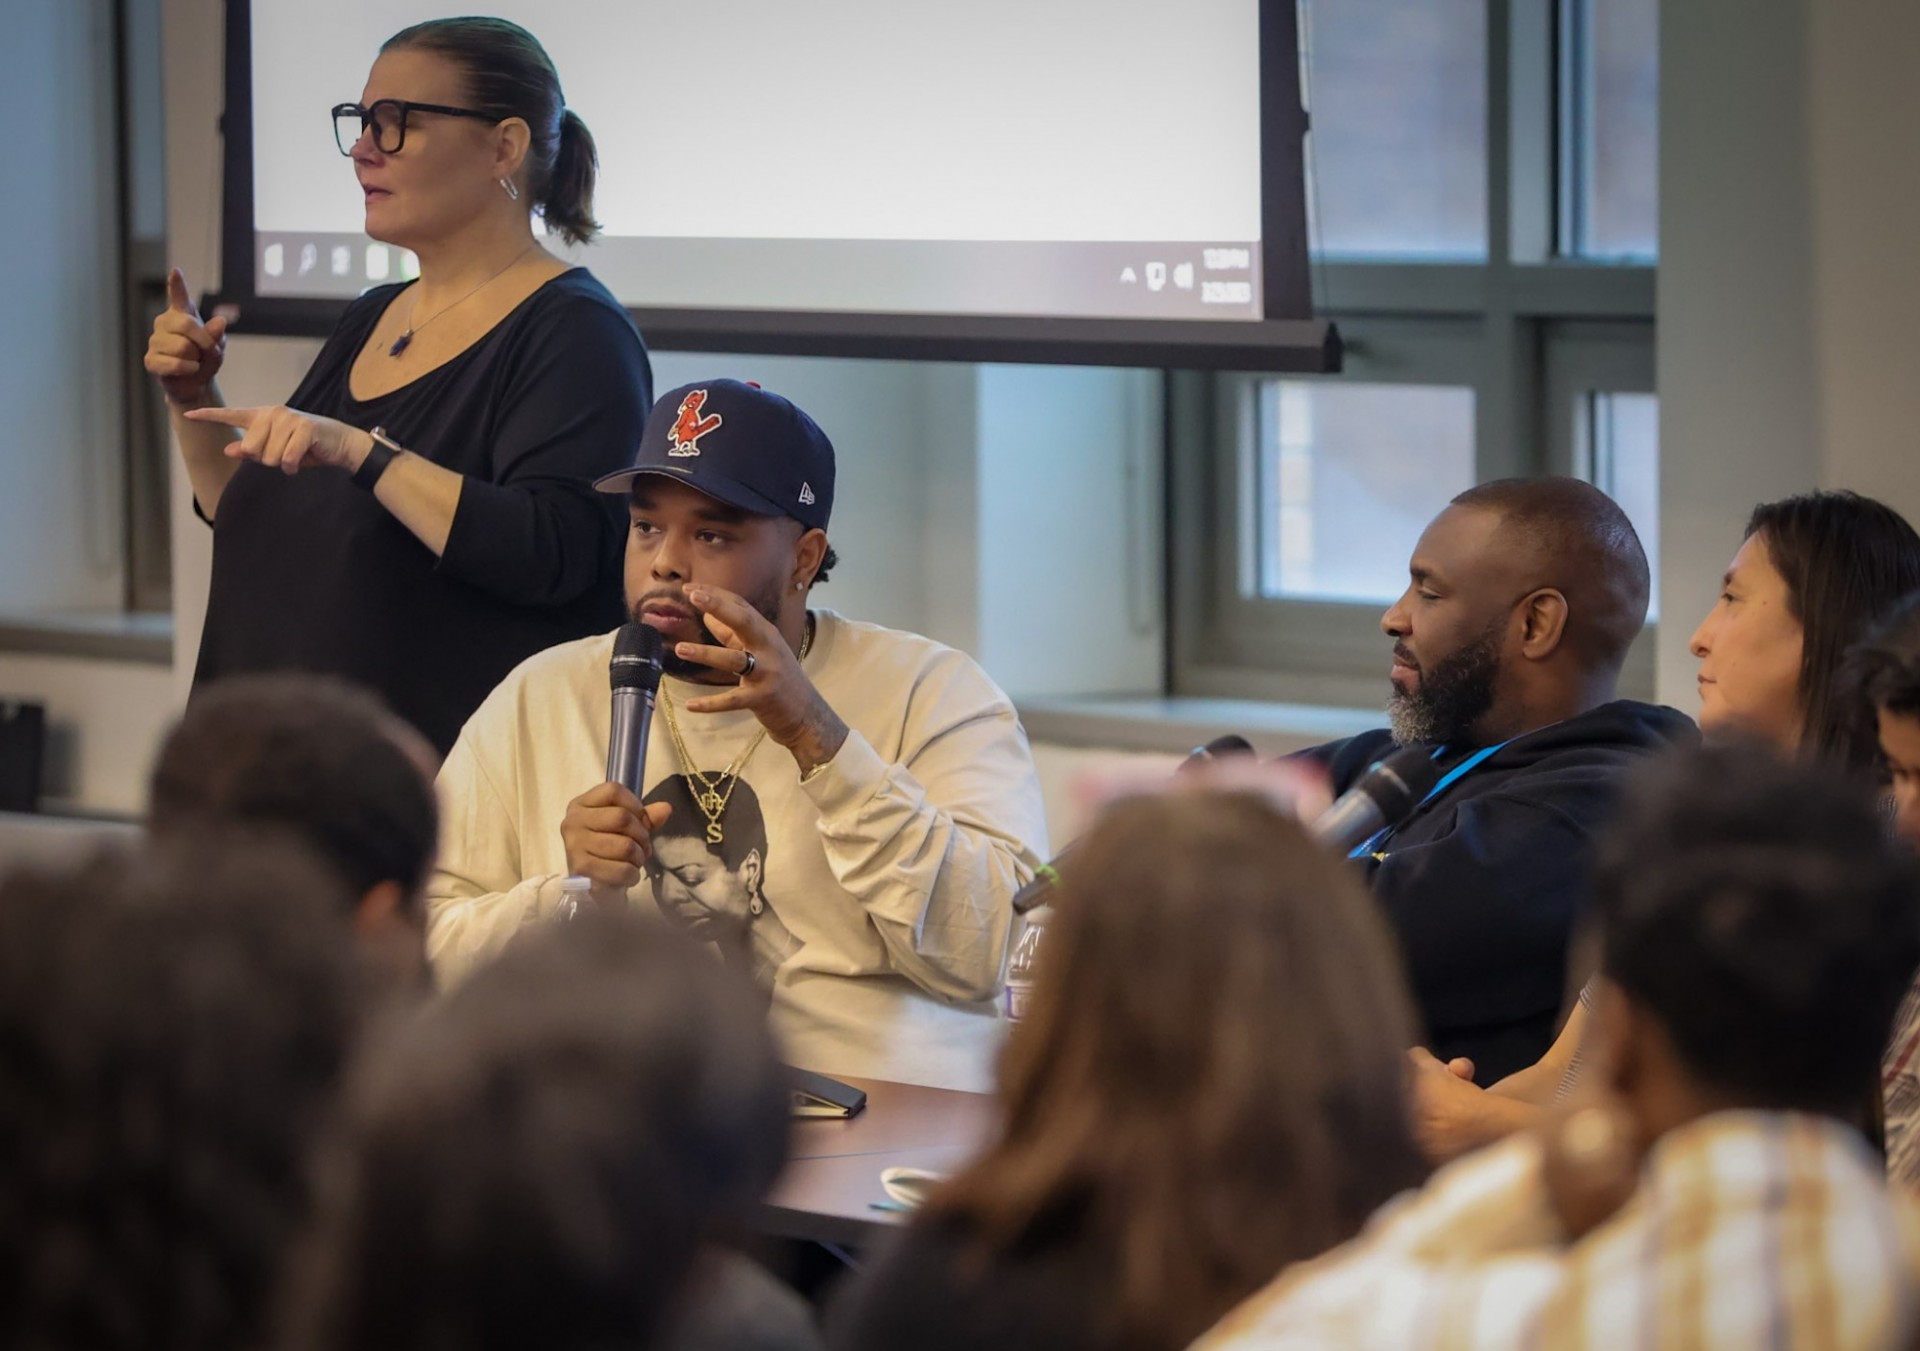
x,y
228,417
178,297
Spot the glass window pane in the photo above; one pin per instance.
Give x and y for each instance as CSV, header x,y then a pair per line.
x,y
1614,124
1397,154
1625,465
1350,474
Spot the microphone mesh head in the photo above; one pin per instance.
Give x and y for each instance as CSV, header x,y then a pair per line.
x,y
1399,782
1220,748
636,658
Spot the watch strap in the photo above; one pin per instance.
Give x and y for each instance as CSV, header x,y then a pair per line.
x,y
385,451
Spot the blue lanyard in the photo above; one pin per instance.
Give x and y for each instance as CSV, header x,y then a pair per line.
x,y
1447,780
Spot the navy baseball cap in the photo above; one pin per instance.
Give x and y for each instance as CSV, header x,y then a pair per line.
x,y
738,444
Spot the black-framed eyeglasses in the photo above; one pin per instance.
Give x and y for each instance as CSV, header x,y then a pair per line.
x,y
388,120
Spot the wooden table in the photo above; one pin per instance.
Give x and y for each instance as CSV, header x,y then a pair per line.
x,y
832,1179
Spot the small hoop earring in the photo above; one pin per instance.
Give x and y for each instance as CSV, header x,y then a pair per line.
x,y
507,186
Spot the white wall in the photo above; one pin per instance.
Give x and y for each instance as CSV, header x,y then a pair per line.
x,y
1067,529
1789,275
104,723
1865,154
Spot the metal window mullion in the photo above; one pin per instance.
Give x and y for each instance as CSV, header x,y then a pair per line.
x,y
1572,114
1502,402
1530,77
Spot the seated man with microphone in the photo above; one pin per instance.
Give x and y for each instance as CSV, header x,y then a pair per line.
x,y
898,810
1524,596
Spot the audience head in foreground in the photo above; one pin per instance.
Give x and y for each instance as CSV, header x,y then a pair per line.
x,y
1814,574
173,1026
538,1158
1208,1086
1757,930
322,760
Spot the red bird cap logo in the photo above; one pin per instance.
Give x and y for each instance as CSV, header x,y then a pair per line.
x,y
689,426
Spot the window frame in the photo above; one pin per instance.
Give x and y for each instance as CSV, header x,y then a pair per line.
x,y
1529,330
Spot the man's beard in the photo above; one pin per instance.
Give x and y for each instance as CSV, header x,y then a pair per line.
x,y
766,601
1453,695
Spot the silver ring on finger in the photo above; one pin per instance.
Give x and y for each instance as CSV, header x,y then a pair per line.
x,y
752,662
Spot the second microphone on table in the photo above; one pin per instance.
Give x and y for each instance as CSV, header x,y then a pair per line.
x,y
1385,795
1040,890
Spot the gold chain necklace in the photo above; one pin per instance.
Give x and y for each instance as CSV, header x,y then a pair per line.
x,y
716,790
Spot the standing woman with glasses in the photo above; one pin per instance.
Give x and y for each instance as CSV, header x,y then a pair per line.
x,y
420,516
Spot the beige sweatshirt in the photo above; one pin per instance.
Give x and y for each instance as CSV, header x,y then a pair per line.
x,y
875,899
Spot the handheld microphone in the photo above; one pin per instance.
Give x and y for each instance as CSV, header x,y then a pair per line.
x,y
1047,877
1383,796
1220,748
635,672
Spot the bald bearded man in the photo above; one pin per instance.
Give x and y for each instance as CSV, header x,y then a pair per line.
x,y
1523,597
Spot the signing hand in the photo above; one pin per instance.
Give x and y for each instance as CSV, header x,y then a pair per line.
x,y
771,683
608,835
184,352
289,439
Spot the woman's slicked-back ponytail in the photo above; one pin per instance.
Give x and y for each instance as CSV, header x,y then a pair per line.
x,y
567,204
509,75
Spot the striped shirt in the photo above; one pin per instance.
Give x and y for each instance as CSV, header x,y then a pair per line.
x,y
1900,1093
1749,1229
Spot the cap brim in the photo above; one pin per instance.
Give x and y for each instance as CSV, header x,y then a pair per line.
x,y
717,486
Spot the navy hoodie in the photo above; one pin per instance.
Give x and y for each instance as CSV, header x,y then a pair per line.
x,y
1485,881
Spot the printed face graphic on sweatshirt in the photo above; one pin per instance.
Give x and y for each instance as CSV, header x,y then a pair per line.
x,y
716,889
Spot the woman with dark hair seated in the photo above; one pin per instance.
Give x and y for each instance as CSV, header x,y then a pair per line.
x,y
1209,1086
1812,576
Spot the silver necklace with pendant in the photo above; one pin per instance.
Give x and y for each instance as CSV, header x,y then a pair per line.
x,y
401,343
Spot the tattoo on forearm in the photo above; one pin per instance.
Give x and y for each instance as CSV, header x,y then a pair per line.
x,y
821,734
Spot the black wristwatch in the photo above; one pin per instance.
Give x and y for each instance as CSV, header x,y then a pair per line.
x,y
385,451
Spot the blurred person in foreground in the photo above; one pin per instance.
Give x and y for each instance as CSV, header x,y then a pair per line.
x,y
545,1157
173,1028
326,762
1209,1086
1757,930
